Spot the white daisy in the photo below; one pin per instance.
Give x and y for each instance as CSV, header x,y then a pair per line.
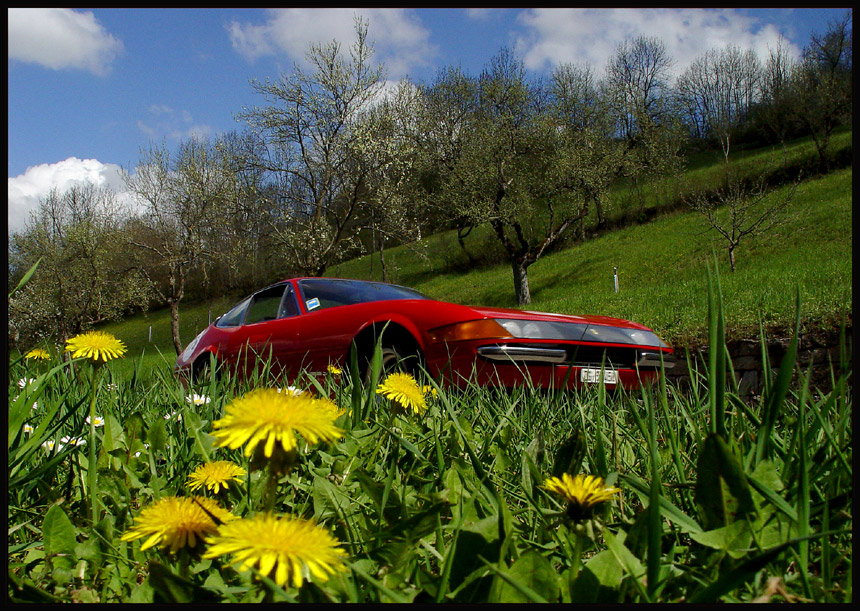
x,y
50,445
98,420
195,399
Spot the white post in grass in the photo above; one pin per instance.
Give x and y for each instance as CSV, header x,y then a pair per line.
x,y
615,275
150,333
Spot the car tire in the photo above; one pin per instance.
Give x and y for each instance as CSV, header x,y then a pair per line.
x,y
200,369
395,358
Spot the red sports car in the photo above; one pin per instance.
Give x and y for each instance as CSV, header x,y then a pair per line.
x,y
311,323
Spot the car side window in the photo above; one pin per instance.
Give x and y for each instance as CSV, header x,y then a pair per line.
x,y
289,307
234,317
264,305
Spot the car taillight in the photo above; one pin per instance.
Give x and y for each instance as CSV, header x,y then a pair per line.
x,y
474,329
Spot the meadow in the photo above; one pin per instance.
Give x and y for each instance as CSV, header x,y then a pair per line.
x,y
124,485
427,494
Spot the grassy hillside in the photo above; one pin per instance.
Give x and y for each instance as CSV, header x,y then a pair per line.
x,y
662,270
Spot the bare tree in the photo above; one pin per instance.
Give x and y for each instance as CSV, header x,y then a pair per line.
x,y
739,211
242,237
720,87
307,127
824,84
777,95
447,106
180,200
635,91
386,146
637,76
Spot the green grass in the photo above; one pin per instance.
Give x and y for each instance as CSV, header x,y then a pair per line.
x,y
716,499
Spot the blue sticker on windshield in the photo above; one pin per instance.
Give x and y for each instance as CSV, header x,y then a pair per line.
x,y
312,304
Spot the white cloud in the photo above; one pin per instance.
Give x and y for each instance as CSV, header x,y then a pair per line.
x,y
399,39
59,38
555,36
27,189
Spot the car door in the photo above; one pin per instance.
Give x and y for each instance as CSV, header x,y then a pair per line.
x,y
269,331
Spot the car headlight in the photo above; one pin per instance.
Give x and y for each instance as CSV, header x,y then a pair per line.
x,y
533,329
622,335
571,331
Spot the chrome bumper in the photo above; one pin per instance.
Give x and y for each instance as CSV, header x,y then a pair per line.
x,y
559,356
523,353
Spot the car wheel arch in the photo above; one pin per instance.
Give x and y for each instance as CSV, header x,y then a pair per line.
x,y
201,363
393,335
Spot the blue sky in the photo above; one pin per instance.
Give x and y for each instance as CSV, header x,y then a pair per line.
x,y
88,89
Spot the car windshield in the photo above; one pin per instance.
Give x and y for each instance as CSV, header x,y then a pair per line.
x,y
319,293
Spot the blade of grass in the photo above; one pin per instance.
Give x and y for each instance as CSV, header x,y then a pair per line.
x,y
775,398
716,352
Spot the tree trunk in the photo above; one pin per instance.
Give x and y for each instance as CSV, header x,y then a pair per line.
x,y
382,259
521,282
462,232
174,326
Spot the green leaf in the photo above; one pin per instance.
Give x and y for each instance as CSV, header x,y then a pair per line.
x,y
58,532
632,566
716,352
722,489
599,580
532,457
476,538
734,539
729,581
203,441
26,278
530,579
765,480
667,509
170,588
571,453
156,436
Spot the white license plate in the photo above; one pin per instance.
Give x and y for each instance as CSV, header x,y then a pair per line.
x,y
592,376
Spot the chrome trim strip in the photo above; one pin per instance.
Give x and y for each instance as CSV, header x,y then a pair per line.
x,y
523,353
652,359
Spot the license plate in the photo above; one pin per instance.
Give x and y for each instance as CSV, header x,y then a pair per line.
x,y
592,376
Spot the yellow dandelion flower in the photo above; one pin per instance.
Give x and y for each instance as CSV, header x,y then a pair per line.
x,y
404,390
289,547
334,370
583,493
95,345
38,353
214,475
176,522
266,414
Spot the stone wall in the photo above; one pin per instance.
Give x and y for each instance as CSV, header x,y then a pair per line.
x,y
820,349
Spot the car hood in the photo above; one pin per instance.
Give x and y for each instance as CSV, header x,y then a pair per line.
x,y
552,317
